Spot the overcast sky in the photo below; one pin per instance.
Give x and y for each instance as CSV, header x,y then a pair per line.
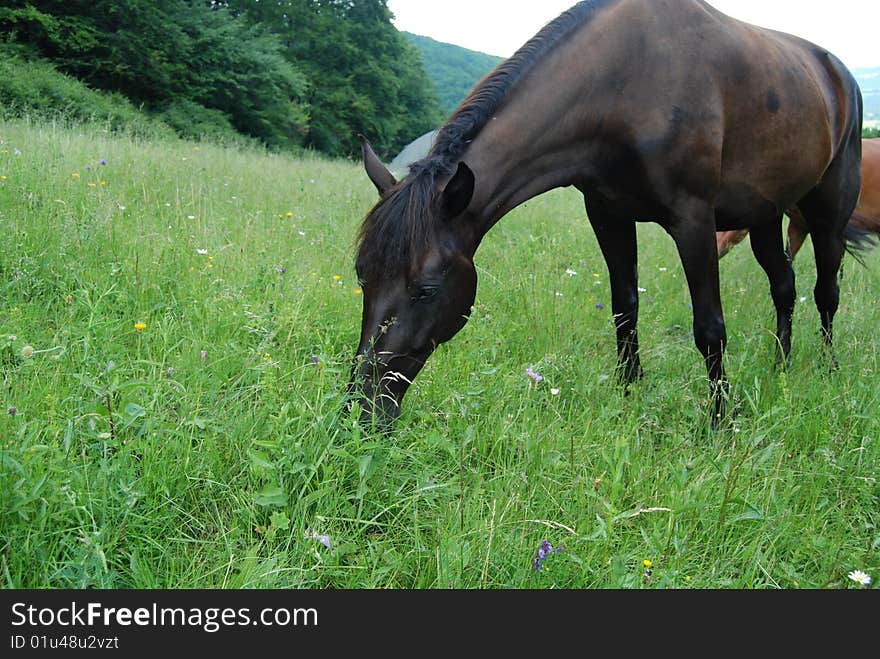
x,y
848,28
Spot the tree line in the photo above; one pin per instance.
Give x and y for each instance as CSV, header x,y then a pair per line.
x,y
291,73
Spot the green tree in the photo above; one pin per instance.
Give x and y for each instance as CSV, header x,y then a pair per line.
x,y
364,76
169,54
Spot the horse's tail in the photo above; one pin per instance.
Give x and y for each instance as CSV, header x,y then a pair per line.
x,y
859,239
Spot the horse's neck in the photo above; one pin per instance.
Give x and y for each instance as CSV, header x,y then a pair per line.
x,y
543,135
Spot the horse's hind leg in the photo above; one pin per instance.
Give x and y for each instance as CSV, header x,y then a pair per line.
x,y
827,209
768,249
617,240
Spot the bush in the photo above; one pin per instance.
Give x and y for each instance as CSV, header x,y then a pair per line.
x,y
30,87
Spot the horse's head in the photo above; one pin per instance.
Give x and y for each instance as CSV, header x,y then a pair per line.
x,y
415,266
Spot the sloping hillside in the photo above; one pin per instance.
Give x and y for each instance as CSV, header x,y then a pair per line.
x,y
454,70
869,81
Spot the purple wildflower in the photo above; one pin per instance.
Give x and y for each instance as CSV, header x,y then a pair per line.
x,y
543,551
103,162
204,354
324,540
88,168
314,360
281,269
600,306
532,374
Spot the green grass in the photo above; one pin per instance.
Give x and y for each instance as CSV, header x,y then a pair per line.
x,y
133,462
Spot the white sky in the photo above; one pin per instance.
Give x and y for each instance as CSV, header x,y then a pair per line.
x,y
848,28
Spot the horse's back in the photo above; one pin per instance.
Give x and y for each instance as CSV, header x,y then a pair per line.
x,y
767,111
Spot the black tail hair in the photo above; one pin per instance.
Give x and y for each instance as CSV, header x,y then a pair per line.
x,y
859,241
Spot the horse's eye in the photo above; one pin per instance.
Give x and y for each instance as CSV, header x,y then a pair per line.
x,y
425,293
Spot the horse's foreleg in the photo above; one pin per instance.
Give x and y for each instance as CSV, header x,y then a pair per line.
x,y
767,247
617,240
694,236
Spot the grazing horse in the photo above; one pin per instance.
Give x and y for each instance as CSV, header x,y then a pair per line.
x,y
663,110
865,220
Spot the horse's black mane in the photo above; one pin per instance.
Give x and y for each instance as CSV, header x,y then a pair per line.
x,y
402,224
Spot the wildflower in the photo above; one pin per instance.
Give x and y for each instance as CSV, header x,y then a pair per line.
x,y
103,162
324,540
170,371
3,178
201,251
663,269
571,273
121,207
93,185
647,563
69,299
204,354
27,351
642,290
281,269
16,152
74,175
600,306
337,277
140,326
543,552
558,294
860,578
88,168
532,374
554,391
357,291
103,182
190,217
289,214
314,360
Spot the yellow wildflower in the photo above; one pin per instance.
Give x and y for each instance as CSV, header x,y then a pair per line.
x,y
140,326
74,175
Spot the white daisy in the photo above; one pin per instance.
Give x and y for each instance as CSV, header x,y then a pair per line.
x,y
860,577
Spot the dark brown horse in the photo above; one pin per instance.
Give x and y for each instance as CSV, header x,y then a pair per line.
x,y
663,110
865,220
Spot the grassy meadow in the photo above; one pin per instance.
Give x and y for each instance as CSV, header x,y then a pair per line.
x,y
176,326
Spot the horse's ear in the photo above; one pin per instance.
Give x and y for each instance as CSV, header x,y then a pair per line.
x,y
378,173
459,191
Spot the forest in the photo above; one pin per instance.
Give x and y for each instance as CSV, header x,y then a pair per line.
x,y
292,73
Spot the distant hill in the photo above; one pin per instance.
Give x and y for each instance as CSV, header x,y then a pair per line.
x,y
453,70
869,81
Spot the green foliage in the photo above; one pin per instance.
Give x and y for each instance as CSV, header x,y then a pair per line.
x,y
168,54
212,448
868,132
364,75
309,73
453,70
33,88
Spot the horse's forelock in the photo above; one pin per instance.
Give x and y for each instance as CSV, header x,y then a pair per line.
x,y
399,228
